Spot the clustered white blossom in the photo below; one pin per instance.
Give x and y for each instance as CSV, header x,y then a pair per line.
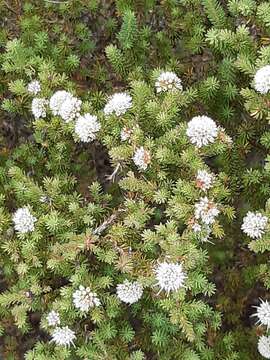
x,y
254,224
63,336
24,221
262,80
204,180
142,158
168,81
125,133
206,211
129,292
118,103
263,313
34,87
84,299
264,346
53,318
39,107
202,130
86,127
170,276
65,105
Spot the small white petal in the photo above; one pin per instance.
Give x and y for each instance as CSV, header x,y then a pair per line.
x,y
262,80
254,224
129,292
86,127
118,103
202,130
170,276
168,81
24,221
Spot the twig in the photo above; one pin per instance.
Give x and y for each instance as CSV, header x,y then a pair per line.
x,y
107,223
112,176
56,2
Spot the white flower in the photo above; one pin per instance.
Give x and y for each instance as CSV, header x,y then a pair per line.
x,y
264,346
142,158
129,292
202,130
263,313
206,211
118,103
262,80
254,224
34,87
63,336
23,220
196,227
66,105
170,276
204,180
125,133
53,318
86,127
168,81
39,107
84,299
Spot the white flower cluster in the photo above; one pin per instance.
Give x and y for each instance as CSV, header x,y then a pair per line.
x,y
202,130
53,318
24,221
168,81
39,107
204,180
254,224
170,276
65,105
264,346
125,133
86,127
129,292
142,158
263,313
118,103
84,299
34,87
206,211
63,336
262,80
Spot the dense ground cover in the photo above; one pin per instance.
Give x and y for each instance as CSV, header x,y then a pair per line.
x,y
134,179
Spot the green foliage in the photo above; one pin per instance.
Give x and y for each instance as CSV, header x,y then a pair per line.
x,y
100,218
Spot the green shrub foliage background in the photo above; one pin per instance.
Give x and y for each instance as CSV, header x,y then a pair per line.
x,y
100,220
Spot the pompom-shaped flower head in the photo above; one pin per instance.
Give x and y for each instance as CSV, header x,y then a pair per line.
x,y
264,346
262,80
202,130
204,180
254,224
24,221
39,107
263,313
84,299
118,103
142,158
206,211
34,87
86,127
65,105
168,81
63,336
129,292
53,318
170,276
